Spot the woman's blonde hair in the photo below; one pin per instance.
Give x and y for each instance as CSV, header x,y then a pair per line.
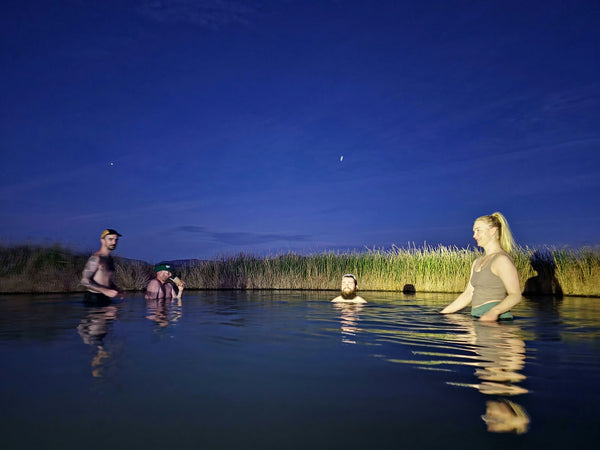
x,y
498,221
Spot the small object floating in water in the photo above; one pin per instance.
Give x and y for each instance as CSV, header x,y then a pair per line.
x,y
341,158
409,289
112,163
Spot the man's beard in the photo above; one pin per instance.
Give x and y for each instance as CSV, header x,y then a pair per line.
x,y
348,295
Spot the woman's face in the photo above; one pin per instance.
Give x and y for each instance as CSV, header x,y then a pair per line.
x,y
483,233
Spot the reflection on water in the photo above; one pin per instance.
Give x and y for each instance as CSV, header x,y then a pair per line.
x,y
501,357
164,311
291,370
93,329
496,351
349,317
505,416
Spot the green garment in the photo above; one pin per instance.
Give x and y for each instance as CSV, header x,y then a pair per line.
x,y
480,310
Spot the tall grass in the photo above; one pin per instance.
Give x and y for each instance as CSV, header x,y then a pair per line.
x,y
578,271
427,268
56,269
39,269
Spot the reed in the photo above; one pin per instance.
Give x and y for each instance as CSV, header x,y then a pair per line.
x,y
427,268
39,269
578,272
132,275
56,269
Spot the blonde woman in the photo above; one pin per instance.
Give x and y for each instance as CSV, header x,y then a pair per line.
x,y
493,287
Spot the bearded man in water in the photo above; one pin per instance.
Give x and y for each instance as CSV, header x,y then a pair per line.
x,y
349,289
99,271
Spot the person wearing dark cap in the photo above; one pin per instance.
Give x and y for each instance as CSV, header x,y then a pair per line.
x,y
99,271
159,288
349,291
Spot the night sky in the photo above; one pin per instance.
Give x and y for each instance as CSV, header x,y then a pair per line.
x,y
201,128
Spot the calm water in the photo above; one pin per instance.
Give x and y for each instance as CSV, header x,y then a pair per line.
x,y
289,370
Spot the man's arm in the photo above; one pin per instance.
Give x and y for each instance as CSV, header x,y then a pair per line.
x,y
171,291
177,291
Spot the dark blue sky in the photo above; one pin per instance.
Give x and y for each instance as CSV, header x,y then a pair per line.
x,y
206,127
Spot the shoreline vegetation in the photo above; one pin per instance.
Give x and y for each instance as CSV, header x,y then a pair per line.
x,y
445,269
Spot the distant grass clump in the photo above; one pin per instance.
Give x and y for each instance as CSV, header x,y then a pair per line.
x,y
578,271
39,269
427,269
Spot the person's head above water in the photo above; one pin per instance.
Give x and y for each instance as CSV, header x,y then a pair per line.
x,y
493,227
163,272
349,286
351,277
349,290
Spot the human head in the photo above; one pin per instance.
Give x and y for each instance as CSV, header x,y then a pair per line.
x,y
498,221
163,271
109,238
349,286
351,277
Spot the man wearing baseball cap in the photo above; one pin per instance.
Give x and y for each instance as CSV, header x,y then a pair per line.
x,y
159,288
99,271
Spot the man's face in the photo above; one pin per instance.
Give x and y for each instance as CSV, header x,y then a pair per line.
x,y
110,241
163,275
348,286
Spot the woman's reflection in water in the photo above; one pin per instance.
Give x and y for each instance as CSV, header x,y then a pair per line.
x,y
500,358
505,416
349,317
164,311
92,329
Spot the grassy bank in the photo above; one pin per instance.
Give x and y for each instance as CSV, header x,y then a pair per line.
x,y
55,269
428,269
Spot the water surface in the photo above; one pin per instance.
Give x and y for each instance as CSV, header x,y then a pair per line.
x,y
290,370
